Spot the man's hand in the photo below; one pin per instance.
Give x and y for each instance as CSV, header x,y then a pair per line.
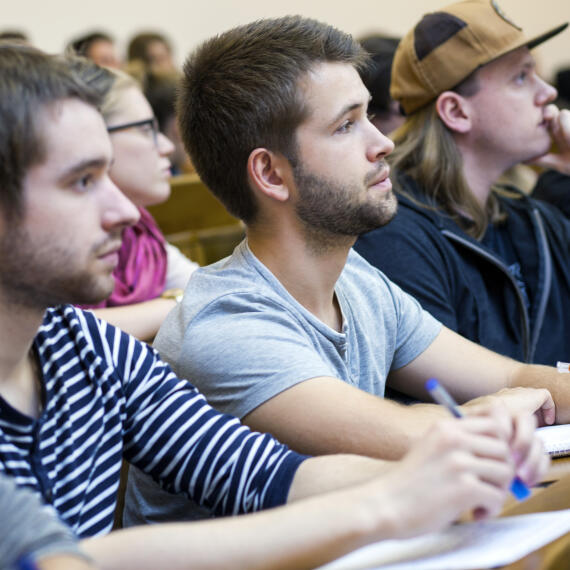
x,y
559,126
463,465
537,401
527,451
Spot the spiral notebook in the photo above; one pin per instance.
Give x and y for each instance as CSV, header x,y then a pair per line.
x,y
556,439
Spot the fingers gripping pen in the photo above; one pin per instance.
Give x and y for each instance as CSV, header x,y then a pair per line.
x,y
441,396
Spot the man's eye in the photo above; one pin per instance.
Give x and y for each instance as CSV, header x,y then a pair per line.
x,y
345,127
84,183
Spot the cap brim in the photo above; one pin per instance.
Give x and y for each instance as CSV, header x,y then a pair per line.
x,y
546,36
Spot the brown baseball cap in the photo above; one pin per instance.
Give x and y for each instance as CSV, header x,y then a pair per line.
x,y
447,46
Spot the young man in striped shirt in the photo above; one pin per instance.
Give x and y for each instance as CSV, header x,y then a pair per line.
x,y
77,395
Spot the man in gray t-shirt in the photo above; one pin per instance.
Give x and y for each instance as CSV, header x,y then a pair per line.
x,y
294,332
243,339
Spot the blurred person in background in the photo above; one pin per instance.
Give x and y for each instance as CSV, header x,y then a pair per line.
x,y
384,112
153,50
14,36
97,46
160,88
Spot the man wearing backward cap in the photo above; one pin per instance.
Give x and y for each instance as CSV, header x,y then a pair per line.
x,y
487,261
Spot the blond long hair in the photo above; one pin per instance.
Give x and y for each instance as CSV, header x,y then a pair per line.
x,y
426,151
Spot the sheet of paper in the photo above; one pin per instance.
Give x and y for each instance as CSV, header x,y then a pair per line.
x,y
556,439
468,546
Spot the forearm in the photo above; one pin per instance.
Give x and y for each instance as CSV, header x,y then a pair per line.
x,y
326,473
459,466
303,535
63,562
142,320
325,415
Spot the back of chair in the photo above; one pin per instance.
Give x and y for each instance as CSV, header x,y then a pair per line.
x,y
196,222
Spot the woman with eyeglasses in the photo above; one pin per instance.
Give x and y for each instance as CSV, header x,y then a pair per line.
x,y
149,268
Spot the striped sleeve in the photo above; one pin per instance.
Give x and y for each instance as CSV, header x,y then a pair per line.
x,y
173,434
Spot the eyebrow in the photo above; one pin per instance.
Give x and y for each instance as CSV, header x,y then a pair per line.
x,y
94,163
527,59
350,107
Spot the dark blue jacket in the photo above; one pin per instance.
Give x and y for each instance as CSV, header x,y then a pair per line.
x,y
470,290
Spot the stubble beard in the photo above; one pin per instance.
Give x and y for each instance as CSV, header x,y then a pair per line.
x,y
37,275
331,214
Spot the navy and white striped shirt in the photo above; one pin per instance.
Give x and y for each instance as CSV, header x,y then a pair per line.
x,y
109,396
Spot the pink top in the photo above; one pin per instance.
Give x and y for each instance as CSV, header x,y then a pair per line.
x,y
141,272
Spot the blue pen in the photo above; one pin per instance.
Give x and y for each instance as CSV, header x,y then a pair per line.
x,y
443,397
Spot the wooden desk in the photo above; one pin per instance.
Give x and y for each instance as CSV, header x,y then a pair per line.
x,y
559,468
554,497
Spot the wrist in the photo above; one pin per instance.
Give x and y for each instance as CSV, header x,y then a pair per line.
x,y
173,294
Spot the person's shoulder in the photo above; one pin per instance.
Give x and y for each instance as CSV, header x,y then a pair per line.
x,y
241,275
238,284
81,331
415,214
359,274
63,320
76,321
68,331
414,206
356,265
371,291
516,199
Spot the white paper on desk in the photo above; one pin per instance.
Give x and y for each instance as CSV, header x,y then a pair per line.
x,y
468,546
556,439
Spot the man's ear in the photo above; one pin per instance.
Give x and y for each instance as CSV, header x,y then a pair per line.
x,y
455,111
268,172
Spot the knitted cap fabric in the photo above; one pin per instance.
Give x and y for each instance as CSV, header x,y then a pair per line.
x,y
447,46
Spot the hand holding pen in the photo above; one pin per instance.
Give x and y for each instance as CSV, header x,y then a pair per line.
x,y
442,396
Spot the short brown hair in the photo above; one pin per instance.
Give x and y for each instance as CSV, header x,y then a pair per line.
x,y
240,91
29,80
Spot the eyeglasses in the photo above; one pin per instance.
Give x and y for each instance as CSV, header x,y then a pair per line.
x,y
152,123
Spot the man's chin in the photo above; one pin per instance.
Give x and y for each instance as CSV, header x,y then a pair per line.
x,y
94,294
389,214
535,158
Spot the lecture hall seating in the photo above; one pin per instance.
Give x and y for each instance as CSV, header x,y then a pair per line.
x,y
195,221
